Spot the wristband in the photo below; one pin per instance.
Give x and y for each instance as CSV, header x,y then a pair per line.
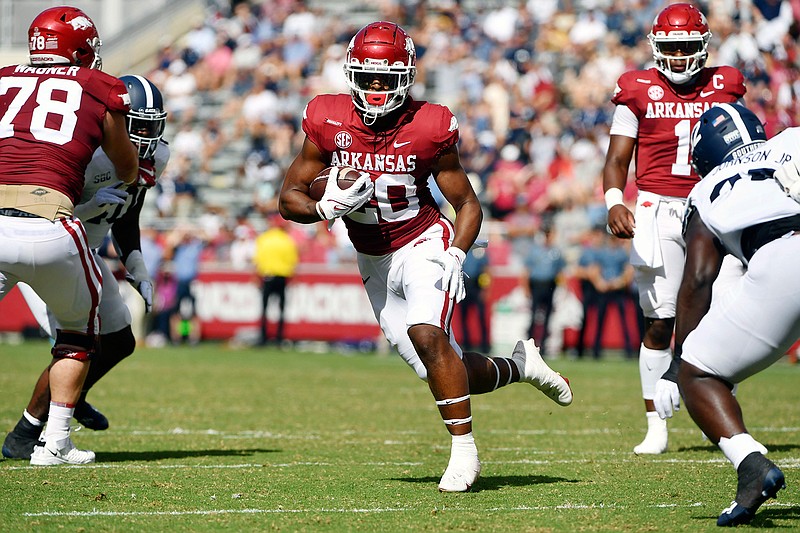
x,y
613,197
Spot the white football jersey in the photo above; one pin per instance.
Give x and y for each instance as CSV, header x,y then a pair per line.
x,y
99,174
741,193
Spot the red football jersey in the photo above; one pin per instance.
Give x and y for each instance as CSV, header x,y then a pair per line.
x,y
52,122
667,113
399,160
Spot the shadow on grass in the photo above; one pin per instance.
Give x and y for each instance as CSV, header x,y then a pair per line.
x,y
119,457
495,482
765,518
708,447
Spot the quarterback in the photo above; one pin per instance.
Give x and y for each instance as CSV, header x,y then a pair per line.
x,y
654,115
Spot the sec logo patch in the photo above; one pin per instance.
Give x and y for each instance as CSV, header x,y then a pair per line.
x,y
343,140
655,93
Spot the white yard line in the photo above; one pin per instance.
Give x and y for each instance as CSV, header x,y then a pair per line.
x,y
563,506
787,463
255,434
210,512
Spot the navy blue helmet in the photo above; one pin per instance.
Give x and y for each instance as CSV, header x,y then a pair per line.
x,y
147,118
725,131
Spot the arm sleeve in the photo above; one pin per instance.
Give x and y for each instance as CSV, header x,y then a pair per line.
x,y
624,122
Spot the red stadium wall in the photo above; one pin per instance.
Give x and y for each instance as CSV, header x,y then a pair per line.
x,y
326,306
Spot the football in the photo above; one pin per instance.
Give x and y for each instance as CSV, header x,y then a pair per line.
x,y
347,176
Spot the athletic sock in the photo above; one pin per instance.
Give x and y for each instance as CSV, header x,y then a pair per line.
x,y
740,446
32,419
463,445
58,421
655,441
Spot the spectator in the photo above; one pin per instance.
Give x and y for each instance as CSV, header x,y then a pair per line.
x,y
183,249
584,271
611,275
180,90
242,249
543,267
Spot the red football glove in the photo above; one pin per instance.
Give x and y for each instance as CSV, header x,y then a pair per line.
x,y
147,173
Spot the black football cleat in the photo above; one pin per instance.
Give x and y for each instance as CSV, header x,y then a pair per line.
x,y
20,442
759,480
90,417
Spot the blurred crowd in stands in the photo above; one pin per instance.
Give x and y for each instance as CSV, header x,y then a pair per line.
x,y
529,81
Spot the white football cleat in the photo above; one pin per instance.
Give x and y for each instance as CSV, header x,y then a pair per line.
x,y
460,475
533,370
62,452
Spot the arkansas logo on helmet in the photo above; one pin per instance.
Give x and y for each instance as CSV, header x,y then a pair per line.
x,y
64,35
80,23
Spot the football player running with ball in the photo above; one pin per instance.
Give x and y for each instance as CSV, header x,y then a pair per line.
x,y
409,254
655,112
55,113
106,204
738,209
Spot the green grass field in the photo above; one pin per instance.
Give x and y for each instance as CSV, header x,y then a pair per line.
x,y
208,439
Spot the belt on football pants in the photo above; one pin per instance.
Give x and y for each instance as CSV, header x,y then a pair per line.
x,y
757,236
11,212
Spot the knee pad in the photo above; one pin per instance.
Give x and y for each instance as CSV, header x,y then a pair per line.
x,y
73,345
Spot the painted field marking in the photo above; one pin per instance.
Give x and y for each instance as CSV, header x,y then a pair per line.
x,y
559,507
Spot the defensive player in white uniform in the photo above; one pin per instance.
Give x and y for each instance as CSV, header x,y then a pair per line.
x,y
106,204
738,208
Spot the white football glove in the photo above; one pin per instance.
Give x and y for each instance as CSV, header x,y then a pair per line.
x,y
100,202
451,261
139,277
788,177
337,202
667,398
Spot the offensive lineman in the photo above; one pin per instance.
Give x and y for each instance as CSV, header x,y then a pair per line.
x,y
106,204
410,256
655,111
55,114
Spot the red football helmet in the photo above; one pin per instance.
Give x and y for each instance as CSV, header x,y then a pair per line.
x,y
64,35
380,68
680,41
